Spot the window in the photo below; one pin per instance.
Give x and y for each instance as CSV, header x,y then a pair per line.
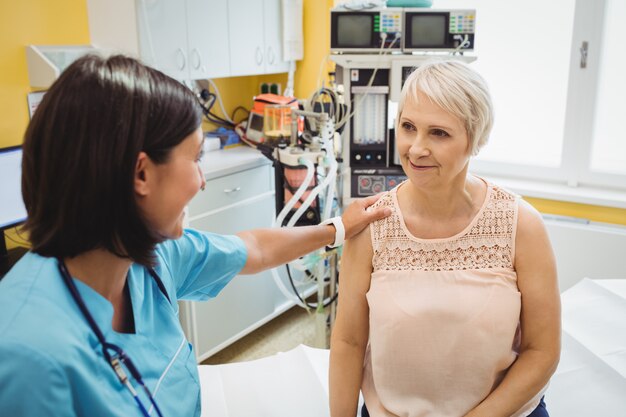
x,y
608,154
558,114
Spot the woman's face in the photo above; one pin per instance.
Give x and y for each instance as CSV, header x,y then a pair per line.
x,y
433,144
173,185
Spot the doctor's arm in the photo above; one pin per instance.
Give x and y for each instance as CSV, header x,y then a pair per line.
x,y
540,320
351,330
268,248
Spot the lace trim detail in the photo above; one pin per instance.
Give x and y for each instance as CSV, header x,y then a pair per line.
x,y
487,244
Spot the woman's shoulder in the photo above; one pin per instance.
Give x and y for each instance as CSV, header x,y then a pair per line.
x,y
499,192
385,200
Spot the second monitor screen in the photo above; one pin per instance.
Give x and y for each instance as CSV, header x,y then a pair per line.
x,y
428,31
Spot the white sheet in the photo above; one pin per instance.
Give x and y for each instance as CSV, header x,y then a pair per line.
x,y
289,384
591,377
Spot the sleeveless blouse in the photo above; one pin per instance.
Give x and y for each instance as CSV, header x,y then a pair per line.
x,y
444,313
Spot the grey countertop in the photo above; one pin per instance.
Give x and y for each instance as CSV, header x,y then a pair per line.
x,y
227,161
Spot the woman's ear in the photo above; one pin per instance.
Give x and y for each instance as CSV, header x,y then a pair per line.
x,y
142,174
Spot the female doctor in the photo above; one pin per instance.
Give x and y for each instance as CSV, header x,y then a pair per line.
x,y
89,318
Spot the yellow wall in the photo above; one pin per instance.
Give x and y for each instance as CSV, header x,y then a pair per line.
x,y
65,22
31,22
61,22
586,211
316,28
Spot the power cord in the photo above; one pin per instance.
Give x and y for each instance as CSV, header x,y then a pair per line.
x,y
325,304
207,101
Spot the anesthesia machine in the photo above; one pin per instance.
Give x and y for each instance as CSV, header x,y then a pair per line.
x,y
375,49
301,140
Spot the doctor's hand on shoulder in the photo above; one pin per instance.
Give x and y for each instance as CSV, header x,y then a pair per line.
x,y
268,248
357,217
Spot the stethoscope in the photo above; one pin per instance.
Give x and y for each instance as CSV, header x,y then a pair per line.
x,y
119,357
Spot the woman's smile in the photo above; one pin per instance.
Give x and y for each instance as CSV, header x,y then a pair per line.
x,y
421,167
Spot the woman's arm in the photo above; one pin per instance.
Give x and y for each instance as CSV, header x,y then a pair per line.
x,y
540,320
268,248
351,330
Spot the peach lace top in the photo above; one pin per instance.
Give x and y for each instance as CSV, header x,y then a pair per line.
x,y
444,313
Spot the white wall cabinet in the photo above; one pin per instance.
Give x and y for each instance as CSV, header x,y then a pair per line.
x,y
209,47
185,39
254,28
193,39
240,201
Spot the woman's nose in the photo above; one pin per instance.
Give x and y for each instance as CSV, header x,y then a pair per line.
x,y
202,179
419,146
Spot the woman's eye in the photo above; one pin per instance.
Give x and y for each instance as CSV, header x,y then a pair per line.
x,y
407,126
440,133
200,155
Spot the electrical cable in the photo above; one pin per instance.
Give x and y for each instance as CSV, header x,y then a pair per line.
x,y
238,108
206,99
325,304
219,101
289,90
462,45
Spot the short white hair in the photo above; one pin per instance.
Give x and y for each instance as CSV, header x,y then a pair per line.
x,y
459,90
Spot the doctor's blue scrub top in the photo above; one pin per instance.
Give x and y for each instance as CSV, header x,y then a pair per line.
x,y
51,363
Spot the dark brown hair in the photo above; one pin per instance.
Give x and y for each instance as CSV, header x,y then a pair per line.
x,y
81,150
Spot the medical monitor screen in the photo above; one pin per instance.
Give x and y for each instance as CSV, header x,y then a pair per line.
x,y
354,30
428,30
12,211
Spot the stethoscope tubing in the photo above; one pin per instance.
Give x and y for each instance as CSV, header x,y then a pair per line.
x,y
121,357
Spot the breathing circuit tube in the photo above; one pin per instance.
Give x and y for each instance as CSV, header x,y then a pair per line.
x,y
329,181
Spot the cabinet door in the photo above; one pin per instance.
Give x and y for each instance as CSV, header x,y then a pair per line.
x,y
245,29
272,28
247,300
163,35
207,30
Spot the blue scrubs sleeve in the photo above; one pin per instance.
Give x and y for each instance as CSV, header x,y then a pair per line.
x,y
31,384
200,264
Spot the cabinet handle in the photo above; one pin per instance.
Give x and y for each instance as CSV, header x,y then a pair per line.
x,y
195,57
259,55
183,59
270,55
232,190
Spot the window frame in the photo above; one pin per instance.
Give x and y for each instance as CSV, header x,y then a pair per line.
x,y
574,170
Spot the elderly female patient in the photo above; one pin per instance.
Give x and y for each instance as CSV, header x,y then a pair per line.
x,y
450,306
